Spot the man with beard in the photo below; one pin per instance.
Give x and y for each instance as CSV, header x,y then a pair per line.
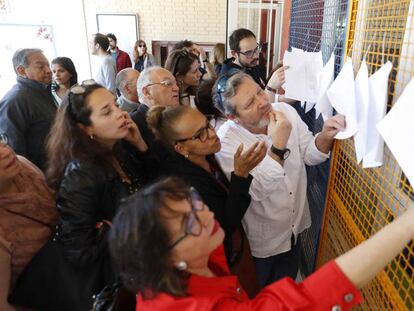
x,y
279,211
245,52
28,109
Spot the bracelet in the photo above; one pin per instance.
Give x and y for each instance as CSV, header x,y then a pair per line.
x,y
271,89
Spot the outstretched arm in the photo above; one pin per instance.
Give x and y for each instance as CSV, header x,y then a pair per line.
x,y
363,262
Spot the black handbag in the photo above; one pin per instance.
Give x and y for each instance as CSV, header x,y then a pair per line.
x,y
114,297
51,282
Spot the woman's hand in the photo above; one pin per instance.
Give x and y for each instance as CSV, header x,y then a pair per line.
x,y
134,135
245,162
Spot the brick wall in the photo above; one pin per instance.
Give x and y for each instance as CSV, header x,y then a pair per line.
x,y
167,20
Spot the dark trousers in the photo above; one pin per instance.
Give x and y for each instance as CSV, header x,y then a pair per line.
x,y
271,269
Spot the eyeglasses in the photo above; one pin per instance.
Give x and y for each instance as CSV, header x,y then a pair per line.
x,y
81,88
192,222
250,53
204,132
3,139
166,83
142,46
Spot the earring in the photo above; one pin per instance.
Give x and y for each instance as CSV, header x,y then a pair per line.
x,y
91,136
181,265
186,156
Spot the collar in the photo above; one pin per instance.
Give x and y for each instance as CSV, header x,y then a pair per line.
x,y
33,84
123,98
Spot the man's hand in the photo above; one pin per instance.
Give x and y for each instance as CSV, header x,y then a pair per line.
x,y
248,160
278,78
331,127
279,129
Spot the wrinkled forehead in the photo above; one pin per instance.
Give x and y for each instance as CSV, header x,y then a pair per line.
x,y
161,75
245,91
37,57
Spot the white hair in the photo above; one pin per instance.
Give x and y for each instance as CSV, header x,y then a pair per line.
x,y
145,79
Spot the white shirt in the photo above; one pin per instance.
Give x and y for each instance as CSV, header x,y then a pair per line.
x,y
106,73
279,206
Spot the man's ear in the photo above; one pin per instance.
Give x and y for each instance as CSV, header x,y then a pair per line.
x,y
21,71
146,92
234,53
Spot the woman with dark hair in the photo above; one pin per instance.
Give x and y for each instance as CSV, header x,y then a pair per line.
x,y
185,67
64,77
191,135
204,103
142,59
96,157
167,247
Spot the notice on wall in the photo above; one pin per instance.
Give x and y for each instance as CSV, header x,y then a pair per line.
x,y
397,129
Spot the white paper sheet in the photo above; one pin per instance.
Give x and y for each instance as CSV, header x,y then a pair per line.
x,y
341,94
397,129
302,75
325,79
362,103
378,88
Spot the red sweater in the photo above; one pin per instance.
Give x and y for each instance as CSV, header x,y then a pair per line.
x,y
324,289
122,61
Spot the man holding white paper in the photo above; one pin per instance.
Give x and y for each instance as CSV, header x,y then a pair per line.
x,y
279,211
245,52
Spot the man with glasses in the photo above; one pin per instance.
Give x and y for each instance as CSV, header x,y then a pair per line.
x,y
245,52
27,110
156,86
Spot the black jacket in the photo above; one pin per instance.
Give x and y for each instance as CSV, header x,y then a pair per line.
x,y
26,114
159,151
228,200
87,195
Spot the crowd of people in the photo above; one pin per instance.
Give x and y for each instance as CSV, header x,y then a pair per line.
x,y
185,185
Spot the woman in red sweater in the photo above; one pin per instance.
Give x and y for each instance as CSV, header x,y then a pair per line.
x,y
168,248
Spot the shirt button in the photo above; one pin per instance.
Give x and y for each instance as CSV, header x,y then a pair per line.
x,y
349,297
336,308
238,290
290,193
284,174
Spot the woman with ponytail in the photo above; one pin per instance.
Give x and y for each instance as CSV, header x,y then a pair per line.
x,y
192,137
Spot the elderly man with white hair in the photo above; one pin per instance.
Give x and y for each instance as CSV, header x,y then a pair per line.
x,y
156,87
126,83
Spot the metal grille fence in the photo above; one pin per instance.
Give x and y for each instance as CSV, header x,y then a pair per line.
x,y
317,25
361,201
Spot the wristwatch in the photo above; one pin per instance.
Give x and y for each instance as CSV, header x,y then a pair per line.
x,y
271,89
283,154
